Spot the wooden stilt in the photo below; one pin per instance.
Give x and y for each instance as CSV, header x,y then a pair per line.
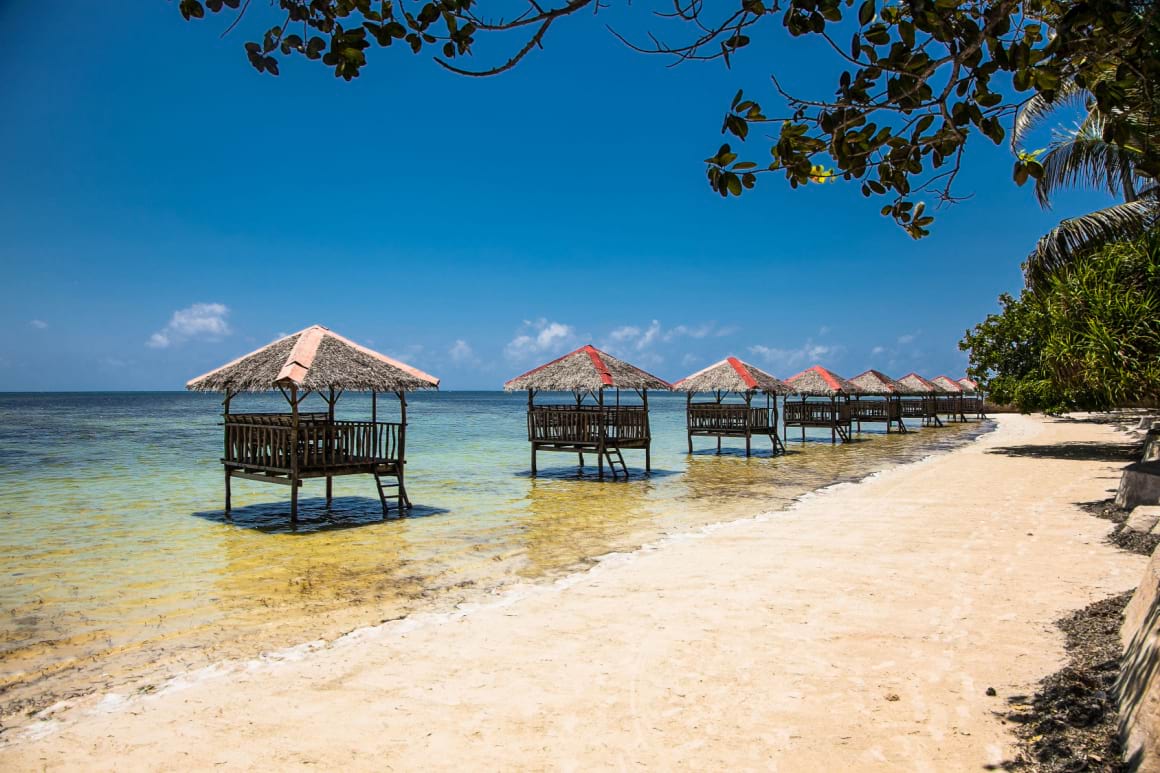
x,y
228,476
295,453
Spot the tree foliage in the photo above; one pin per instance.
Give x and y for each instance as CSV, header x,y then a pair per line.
x,y
914,79
1087,338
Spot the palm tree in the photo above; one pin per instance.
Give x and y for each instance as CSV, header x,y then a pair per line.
x,y
1084,157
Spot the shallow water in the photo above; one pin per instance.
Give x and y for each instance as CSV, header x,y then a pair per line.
x,y
120,568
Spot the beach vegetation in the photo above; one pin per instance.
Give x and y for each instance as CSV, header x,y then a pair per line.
x,y
1087,337
912,81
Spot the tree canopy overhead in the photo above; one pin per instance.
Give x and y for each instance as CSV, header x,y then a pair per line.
x,y
913,79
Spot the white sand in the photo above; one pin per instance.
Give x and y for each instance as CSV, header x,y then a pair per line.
x,y
858,631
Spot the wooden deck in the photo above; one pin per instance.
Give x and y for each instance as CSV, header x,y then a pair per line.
x,y
732,420
831,414
924,408
266,447
604,430
871,410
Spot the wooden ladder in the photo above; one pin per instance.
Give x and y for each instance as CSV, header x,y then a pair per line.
x,y
398,486
616,457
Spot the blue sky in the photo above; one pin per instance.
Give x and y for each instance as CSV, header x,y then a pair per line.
x,y
164,208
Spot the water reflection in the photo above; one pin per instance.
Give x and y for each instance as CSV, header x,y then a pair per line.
x,y
118,561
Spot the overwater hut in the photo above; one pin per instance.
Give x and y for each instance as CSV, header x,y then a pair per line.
x,y
919,401
972,397
878,399
949,398
823,403
717,417
604,427
288,448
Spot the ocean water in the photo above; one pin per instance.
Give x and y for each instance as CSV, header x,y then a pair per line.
x,y
120,569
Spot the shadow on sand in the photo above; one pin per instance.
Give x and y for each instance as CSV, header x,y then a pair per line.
x,y
313,516
1079,452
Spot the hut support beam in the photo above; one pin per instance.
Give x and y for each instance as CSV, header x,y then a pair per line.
x,y
225,413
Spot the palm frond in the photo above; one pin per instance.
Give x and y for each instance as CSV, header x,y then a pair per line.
x,y
1078,235
1084,160
1034,110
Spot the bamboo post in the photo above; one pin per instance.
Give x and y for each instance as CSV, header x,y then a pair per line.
x,y
331,442
226,450
531,436
748,405
600,436
647,430
802,418
402,462
833,420
294,452
689,418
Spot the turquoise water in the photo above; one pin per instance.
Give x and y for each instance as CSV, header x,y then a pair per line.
x,y
120,568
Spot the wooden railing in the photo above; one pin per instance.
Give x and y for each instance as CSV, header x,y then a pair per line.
x,y
875,410
949,404
729,418
918,407
589,424
262,441
817,413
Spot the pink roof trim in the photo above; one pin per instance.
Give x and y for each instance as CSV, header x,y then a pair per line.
x,y
601,368
948,383
538,368
593,355
831,380
389,360
302,355
236,360
881,377
745,375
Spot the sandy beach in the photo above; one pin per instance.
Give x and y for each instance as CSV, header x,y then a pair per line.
x,y
859,630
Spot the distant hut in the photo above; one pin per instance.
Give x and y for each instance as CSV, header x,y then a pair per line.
x,y
823,403
950,398
879,399
288,448
600,427
919,401
719,418
972,397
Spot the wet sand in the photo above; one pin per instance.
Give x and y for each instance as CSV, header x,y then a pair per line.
x,y
861,629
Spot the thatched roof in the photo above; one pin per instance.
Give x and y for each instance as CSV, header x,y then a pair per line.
x,y
819,381
314,359
916,385
947,384
731,375
587,369
875,382
969,385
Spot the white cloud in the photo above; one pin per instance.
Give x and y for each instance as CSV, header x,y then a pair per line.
x,y
206,321
461,353
878,350
903,340
809,353
539,337
39,324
